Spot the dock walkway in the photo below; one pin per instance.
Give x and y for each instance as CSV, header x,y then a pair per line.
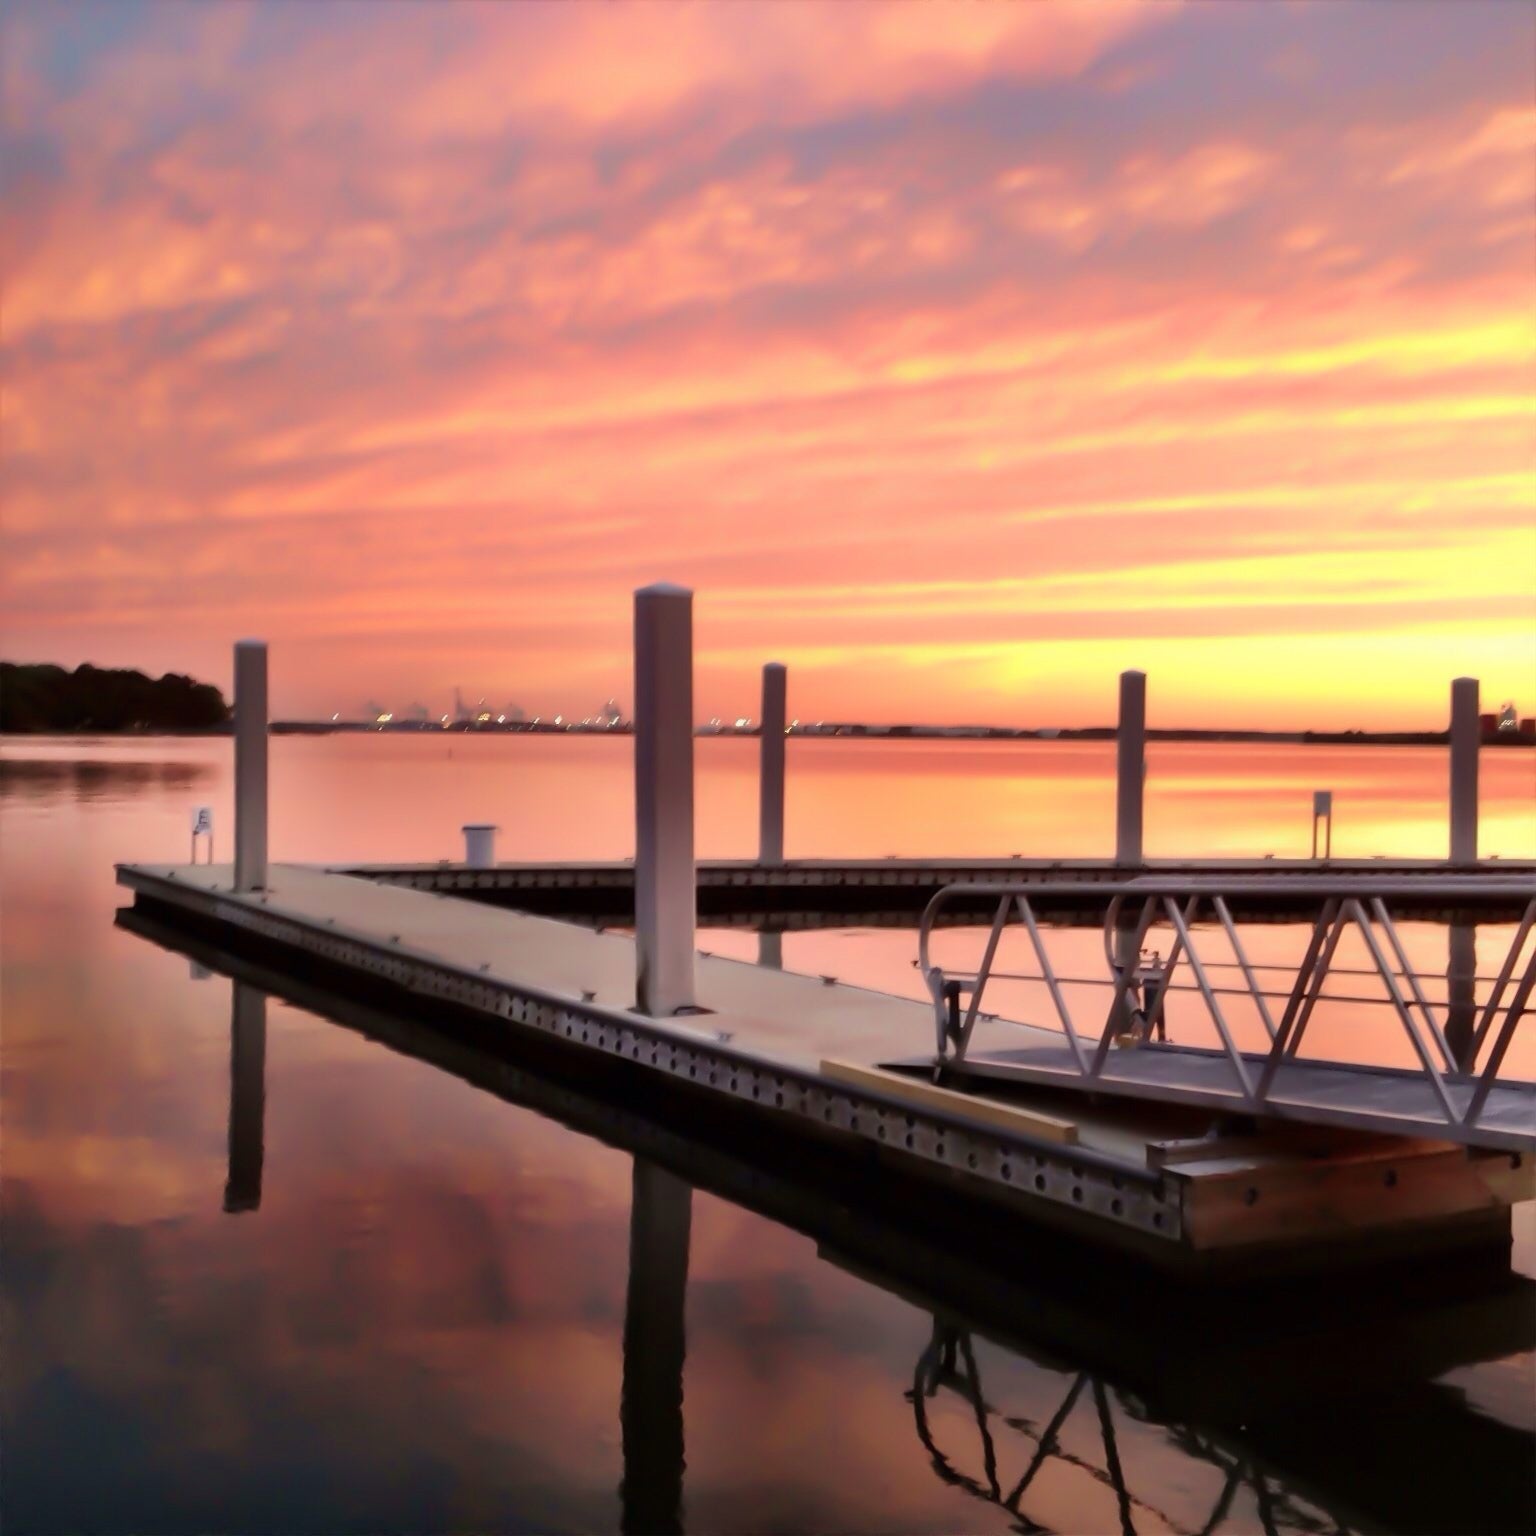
x,y
812,1056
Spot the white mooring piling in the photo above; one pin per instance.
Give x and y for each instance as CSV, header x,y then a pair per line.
x,y
770,820
1130,767
665,900
1465,730
250,765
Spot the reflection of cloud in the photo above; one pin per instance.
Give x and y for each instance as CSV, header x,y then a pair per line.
x,y
717,290
87,779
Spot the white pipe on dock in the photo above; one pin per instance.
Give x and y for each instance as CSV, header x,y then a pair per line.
x,y
479,844
665,897
770,821
1130,767
250,765
1465,731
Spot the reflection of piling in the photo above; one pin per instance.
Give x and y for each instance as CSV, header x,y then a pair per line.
x,y
1130,767
1465,730
770,842
250,765
247,1097
651,1411
665,900
1461,992
770,949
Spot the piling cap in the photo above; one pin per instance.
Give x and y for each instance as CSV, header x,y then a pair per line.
x,y
663,589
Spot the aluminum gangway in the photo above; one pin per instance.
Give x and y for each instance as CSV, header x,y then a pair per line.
x,y
1458,1091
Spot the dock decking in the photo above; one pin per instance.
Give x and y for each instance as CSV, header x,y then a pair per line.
x,y
813,1054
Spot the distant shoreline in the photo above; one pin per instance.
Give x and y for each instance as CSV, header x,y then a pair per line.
x,y
829,732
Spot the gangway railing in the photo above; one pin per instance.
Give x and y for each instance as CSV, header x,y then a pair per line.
x,y
1140,981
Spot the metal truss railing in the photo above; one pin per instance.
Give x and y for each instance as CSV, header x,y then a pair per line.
x,y
1140,982
949,1363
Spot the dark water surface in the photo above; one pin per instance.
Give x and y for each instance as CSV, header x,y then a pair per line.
x,y
267,1270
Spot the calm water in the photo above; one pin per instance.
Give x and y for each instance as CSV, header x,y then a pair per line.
x,y
353,1291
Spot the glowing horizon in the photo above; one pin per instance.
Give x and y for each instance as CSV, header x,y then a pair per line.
x,y
959,357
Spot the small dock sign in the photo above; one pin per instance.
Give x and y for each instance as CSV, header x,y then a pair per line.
x,y
202,826
1322,811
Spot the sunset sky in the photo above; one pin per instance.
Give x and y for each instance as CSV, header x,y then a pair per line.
x,y
957,355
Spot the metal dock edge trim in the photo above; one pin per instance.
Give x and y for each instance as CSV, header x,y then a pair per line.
x,y
1082,1181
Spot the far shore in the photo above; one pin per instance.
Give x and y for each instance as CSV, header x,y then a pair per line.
x,y
823,732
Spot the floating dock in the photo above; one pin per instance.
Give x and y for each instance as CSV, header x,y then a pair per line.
x,y
1169,1166
799,893
813,1059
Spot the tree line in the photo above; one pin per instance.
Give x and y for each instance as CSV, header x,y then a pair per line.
x,y
37,698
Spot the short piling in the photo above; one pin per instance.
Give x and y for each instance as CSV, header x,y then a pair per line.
x,y
665,898
1465,729
1130,767
250,765
770,821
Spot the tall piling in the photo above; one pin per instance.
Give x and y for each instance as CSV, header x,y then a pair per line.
x,y
1130,767
770,786
665,896
250,765
1465,730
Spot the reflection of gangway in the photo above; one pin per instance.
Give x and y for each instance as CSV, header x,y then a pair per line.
x,y
1450,1096
949,1361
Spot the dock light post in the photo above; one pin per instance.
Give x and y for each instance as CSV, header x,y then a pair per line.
x,y
1130,767
770,821
665,897
250,765
1465,730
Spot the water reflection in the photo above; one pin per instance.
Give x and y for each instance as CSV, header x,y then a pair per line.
x,y
247,1097
422,1330
1060,1390
651,1410
44,778
949,1363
